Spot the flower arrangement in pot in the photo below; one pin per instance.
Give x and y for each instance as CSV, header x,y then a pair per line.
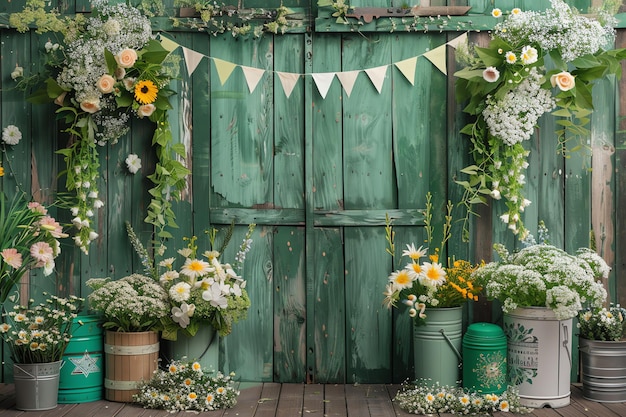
x,y
602,350
36,337
434,293
430,284
135,303
541,288
203,291
132,309
543,275
535,63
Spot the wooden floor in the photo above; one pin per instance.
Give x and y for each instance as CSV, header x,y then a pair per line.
x,y
292,400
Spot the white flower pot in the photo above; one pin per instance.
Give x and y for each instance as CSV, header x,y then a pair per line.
x,y
539,348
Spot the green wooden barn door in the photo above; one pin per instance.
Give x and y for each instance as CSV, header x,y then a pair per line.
x,y
372,154
318,175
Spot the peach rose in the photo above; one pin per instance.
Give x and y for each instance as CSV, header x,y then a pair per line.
x,y
126,58
60,99
145,110
105,84
90,105
564,80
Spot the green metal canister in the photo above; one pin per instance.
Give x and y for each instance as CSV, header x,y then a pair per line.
x,y
82,373
484,358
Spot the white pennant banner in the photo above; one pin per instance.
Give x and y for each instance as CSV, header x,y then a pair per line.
x,y
377,76
252,76
347,80
192,59
288,81
323,80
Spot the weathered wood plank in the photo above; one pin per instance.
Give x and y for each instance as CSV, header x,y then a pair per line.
x,y
291,400
248,350
268,403
289,305
329,307
242,125
247,402
313,405
368,323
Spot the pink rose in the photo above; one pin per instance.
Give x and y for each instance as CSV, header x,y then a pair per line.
x,y
126,58
145,110
564,80
91,105
105,84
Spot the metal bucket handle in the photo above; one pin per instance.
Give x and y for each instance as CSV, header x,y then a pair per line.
x,y
456,351
566,342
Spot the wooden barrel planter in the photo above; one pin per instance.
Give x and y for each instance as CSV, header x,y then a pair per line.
x,y
130,358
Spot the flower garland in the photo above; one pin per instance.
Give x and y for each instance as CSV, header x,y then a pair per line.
x,y
428,398
186,386
507,88
107,69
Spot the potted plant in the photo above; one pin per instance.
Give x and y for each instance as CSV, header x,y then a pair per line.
x,y
205,295
541,288
132,309
603,353
434,293
37,336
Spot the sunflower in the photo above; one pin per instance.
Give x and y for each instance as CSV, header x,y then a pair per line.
x,y
146,92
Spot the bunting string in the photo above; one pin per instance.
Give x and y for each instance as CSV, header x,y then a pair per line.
x,y
322,80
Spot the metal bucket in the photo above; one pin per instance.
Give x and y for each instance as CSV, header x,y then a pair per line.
x,y
437,345
539,356
36,385
130,358
203,347
82,374
603,370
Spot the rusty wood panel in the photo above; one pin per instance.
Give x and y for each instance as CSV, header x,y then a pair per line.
x,y
329,308
289,305
367,145
368,323
242,129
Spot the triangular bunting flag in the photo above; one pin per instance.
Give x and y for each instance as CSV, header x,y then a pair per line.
x,y
323,80
192,59
253,76
168,44
224,69
458,40
438,58
377,76
347,80
407,68
288,80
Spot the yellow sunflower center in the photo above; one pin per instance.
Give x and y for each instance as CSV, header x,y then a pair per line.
x,y
195,266
403,278
146,92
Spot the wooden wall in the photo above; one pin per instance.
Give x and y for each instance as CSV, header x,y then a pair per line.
x,y
318,176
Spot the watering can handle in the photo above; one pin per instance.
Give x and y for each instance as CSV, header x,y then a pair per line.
x,y
566,342
456,351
